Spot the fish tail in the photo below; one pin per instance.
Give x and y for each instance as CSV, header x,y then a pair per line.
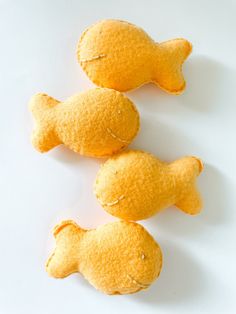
x,y
43,137
185,171
65,260
169,74
187,167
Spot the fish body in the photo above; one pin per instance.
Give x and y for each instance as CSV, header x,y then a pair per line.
x,y
98,122
116,258
119,55
135,185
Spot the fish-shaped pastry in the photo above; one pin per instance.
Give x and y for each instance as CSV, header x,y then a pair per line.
x,y
116,258
134,185
98,122
119,55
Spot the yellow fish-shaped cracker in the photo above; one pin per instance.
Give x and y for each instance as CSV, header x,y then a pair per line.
x,y
135,185
98,122
119,55
116,258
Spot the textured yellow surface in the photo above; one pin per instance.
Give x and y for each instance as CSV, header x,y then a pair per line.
x,y
135,185
116,258
119,55
98,122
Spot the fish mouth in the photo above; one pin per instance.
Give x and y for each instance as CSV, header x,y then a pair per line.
x,y
127,290
112,203
117,137
93,58
141,285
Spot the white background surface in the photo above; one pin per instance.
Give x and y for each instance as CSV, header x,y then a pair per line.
x,y
37,54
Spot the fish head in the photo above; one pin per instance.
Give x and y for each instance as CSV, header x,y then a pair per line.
x,y
140,262
130,185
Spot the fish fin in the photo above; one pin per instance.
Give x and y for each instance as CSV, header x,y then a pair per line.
x,y
44,139
65,258
191,203
63,224
40,102
169,75
43,136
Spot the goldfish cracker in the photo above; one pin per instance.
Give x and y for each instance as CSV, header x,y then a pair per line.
x,y
135,185
98,122
116,258
119,55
